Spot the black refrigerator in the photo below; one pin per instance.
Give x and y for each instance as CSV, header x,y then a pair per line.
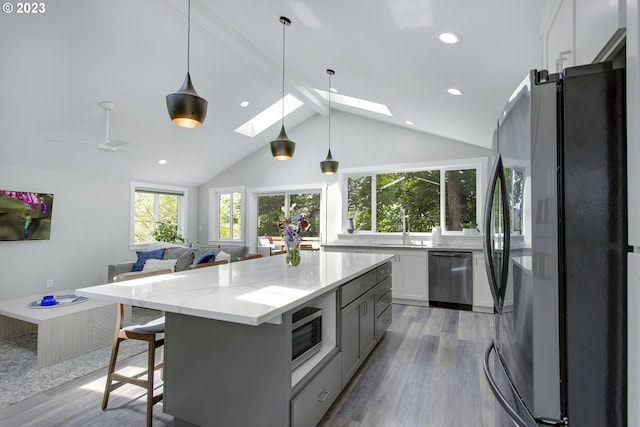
x,y
555,244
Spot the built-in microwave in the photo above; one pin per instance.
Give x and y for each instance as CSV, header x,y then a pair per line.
x,y
306,334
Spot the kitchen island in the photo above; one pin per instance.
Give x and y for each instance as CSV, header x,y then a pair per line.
x,y
228,335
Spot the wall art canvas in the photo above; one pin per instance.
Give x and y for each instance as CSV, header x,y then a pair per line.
x,y
25,216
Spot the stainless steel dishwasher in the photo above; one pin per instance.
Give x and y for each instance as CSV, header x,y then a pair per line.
x,y
451,279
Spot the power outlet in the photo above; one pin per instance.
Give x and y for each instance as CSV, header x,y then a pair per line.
x,y
49,283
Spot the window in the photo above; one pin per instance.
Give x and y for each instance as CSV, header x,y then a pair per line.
x,y
227,205
414,201
359,201
272,208
152,204
460,199
409,200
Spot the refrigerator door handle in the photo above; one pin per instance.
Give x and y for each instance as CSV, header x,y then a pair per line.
x,y
506,225
517,420
488,233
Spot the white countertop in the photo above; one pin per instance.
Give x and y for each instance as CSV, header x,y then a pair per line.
x,y
429,246
249,292
18,308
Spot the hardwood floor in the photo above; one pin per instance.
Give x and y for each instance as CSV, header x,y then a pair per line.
x,y
425,372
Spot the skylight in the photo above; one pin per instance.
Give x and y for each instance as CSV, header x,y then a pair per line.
x,y
350,101
269,116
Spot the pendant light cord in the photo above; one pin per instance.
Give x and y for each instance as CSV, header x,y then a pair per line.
x,y
188,34
283,47
329,111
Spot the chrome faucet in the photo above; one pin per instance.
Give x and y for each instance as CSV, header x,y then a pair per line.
x,y
403,225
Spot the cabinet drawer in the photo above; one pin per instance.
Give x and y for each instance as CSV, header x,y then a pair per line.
x,y
383,272
310,405
384,321
383,303
357,287
383,287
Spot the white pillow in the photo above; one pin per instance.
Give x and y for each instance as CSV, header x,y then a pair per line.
x,y
222,255
159,264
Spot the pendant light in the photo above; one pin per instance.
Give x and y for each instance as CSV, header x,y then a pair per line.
x,y
282,147
185,107
329,166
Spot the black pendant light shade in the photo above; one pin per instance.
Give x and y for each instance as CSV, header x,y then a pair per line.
x,y
282,148
185,107
329,166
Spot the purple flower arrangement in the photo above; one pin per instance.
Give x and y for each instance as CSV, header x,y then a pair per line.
x,y
292,227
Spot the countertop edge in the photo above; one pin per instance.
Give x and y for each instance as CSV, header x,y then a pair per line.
x,y
94,292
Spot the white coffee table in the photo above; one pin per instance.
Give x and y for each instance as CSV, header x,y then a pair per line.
x,y
64,331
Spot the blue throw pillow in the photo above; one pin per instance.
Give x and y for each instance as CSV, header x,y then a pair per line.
x,y
208,257
143,256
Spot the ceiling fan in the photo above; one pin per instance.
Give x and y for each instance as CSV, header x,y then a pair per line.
x,y
108,144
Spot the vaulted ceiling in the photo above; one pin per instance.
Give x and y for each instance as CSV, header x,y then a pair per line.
x,y
59,65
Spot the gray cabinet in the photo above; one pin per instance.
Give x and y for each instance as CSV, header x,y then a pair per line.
x,y
362,323
358,333
310,405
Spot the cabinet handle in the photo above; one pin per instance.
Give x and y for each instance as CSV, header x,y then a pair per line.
x,y
323,395
385,321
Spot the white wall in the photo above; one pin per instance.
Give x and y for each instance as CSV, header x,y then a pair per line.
x,y
356,142
89,230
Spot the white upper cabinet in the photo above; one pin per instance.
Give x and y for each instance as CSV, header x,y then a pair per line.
x,y
558,37
597,23
578,32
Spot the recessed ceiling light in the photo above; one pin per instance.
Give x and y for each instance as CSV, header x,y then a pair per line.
x,y
162,162
269,116
333,90
449,38
244,104
409,122
454,91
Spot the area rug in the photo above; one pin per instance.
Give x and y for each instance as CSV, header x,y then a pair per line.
x,y
20,377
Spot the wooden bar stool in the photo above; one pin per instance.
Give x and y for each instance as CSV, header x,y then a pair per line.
x,y
153,334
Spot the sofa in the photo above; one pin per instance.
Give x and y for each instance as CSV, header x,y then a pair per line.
x,y
185,257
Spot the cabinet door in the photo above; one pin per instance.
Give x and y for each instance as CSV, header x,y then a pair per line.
x,y
596,23
350,340
367,324
558,37
410,276
482,299
308,407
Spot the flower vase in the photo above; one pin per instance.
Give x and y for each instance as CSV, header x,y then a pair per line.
x,y
293,252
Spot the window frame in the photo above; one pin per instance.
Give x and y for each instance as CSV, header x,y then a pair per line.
x,y
183,203
479,164
214,217
252,212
